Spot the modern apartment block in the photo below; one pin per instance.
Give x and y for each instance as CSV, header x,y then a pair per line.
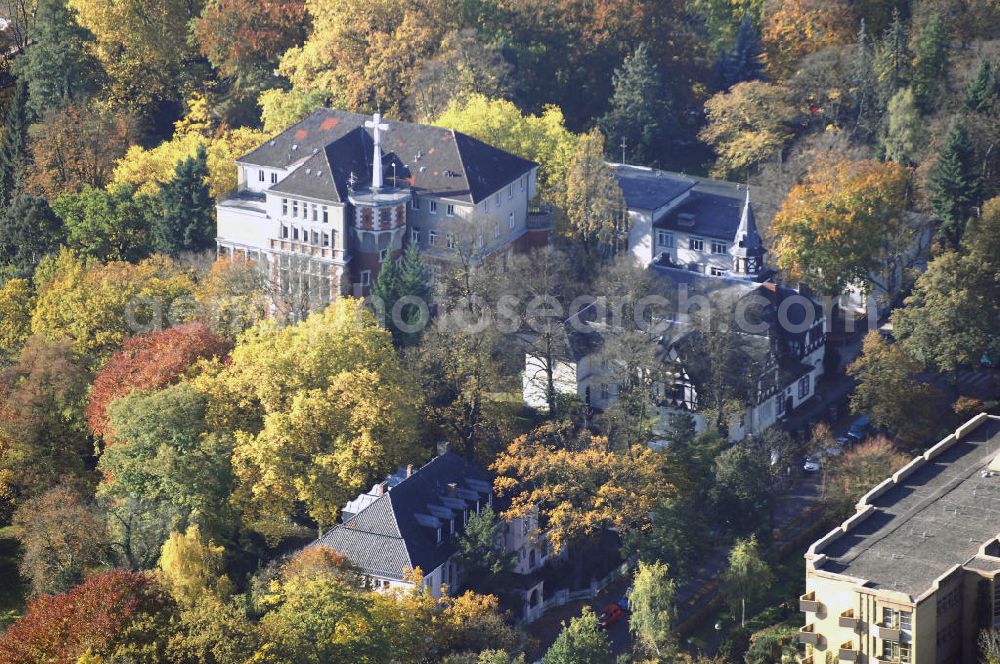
x,y
914,574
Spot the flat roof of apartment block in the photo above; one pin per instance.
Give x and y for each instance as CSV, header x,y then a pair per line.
x,y
937,517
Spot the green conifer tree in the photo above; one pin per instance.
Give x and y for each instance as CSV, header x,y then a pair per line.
x,y
187,219
29,229
744,62
954,185
14,144
57,67
868,112
930,68
893,60
983,90
640,109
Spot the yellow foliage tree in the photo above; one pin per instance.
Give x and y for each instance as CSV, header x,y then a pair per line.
x,y
541,138
16,303
146,169
593,202
362,54
192,569
97,306
579,483
747,125
318,409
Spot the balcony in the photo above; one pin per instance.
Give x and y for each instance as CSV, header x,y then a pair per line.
x,y
847,620
808,635
304,249
886,632
848,653
808,603
541,217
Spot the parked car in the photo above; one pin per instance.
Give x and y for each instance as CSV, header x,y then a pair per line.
x,y
811,464
611,614
860,429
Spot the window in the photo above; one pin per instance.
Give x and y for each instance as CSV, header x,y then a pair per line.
x,y
716,271
450,210
481,241
434,207
895,651
664,239
696,244
260,176
605,392
414,203
510,221
315,237
366,277
510,191
295,208
523,180
805,383
497,197
326,239
719,248
779,405
438,535
415,235
284,232
496,231
382,255
451,241
432,238
315,212
274,178
326,215
295,234
284,207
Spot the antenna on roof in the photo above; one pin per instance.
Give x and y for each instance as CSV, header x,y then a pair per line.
x,y
394,173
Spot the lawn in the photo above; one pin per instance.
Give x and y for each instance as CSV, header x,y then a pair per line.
x,y
12,586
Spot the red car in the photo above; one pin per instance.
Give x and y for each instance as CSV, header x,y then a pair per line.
x,y
611,614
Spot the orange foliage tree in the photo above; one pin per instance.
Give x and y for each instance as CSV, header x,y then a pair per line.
x,y
148,362
795,28
579,483
113,616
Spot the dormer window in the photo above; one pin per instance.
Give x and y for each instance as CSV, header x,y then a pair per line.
x,y
274,178
452,530
260,176
438,535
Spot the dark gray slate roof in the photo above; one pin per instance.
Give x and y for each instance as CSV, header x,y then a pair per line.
x,y
398,532
649,189
435,160
936,518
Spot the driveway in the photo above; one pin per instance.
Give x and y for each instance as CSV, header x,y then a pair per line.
x,y
547,628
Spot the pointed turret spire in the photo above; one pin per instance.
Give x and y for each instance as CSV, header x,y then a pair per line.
x,y
748,248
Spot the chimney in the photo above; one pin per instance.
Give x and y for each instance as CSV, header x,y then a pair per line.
x,y
381,488
452,489
442,448
409,470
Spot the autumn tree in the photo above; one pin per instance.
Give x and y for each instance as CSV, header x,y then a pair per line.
x,y
747,125
17,299
191,568
841,225
41,433
578,482
187,213
580,642
471,622
850,475
640,114
29,230
889,393
906,131
149,362
58,67
76,146
111,616
542,138
233,296
98,306
949,320
594,206
796,28
464,66
363,57
106,224
746,577
651,609
318,409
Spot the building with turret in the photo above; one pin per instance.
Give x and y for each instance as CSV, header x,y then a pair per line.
x,y
325,203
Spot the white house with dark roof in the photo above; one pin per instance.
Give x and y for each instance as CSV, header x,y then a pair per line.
x,y
412,521
327,201
693,223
